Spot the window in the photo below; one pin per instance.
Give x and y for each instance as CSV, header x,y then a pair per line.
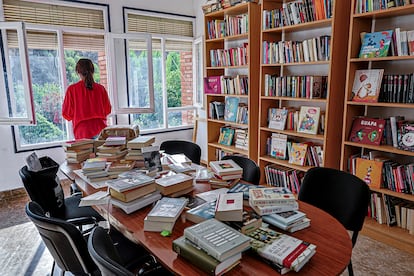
x,y
172,59
198,72
57,36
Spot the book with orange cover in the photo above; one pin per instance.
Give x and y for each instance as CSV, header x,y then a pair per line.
x,y
370,171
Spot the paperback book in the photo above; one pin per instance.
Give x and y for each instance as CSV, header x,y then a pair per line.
x,y
271,209
406,137
229,207
367,130
278,146
132,206
141,142
212,85
297,153
270,196
167,209
287,218
370,171
367,84
309,119
231,108
225,167
242,188
201,213
376,44
277,118
174,183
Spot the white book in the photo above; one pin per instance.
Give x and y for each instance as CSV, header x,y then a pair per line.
x,y
157,226
225,167
132,206
167,209
229,207
212,195
285,218
271,209
100,197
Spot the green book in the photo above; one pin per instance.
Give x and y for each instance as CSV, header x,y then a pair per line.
x,y
202,260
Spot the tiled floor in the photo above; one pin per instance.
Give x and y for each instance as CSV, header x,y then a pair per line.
x,y
23,253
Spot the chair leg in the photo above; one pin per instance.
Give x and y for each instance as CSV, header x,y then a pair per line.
x,y
350,269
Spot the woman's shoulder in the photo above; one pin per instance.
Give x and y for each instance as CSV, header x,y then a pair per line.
x,y
75,85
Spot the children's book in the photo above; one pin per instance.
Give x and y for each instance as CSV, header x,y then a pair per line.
x,y
226,136
278,146
230,109
212,85
406,137
376,44
309,119
297,153
367,84
277,118
370,171
367,130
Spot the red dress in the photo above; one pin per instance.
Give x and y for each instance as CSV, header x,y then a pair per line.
x,y
87,109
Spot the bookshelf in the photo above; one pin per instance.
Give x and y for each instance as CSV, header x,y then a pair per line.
x,y
374,21
332,67
250,40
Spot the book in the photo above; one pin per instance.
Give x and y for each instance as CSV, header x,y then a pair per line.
x,y
277,118
212,85
158,226
231,108
225,167
217,239
270,209
286,218
367,84
134,205
201,213
94,164
173,183
278,147
212,194
33,162
370,171
251,221
130,181
152,158
367,130
297,153
405,140
229,207
376,44
167,209
270,196
410,42
115,141
309,119
100,197
296,226
141,142
129,195
78,144
226,136
243,188
281,248
195,255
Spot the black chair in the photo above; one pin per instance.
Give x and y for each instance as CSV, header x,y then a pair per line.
x,y
44,188
251,172
190,149
107,258
341,194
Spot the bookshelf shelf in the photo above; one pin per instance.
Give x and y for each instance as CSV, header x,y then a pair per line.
x,y
295,133
227,95
325,62
234,10
227,67
301,27
223,122
232,149
293,99
285,163
375,21
231,37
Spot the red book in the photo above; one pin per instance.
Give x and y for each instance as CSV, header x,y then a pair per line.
x,y
367,130
212,85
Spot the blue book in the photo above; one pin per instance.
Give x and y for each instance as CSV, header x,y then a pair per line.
x,y
230,109
202,212
242,187
284,219
375,44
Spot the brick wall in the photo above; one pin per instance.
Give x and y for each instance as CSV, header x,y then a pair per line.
x,y
102,69
186,59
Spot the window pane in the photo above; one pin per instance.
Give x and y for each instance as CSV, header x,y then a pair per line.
x,y
72,57
180,118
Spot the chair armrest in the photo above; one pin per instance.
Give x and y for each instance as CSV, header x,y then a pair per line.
x,y
83,221
74,189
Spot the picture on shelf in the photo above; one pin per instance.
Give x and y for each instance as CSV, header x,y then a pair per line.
x,y
367,84
309,119
376,44
367,130
277,118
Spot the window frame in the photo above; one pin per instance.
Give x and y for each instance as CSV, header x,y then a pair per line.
x,y
198,74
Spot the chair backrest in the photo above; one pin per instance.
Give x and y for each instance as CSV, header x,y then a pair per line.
x,y
44,188
104,253
190,149
251,172
341,194
63,240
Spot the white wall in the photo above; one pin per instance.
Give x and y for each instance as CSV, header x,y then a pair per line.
x,y
11,162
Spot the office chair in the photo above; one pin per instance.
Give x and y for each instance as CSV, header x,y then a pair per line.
x,y
251,172
341,194
107,258
44,188
190,149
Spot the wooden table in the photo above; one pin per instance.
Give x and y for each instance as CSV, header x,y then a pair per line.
x,y
332,256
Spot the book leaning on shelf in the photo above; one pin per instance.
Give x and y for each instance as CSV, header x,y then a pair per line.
x,y
375,44
367,84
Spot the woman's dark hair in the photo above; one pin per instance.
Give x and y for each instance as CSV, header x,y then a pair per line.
x,y
85,68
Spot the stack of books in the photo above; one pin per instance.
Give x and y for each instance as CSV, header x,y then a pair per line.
x,y
241,138
96,169
113,149
77,151
226,169
135,146
229,207
164,214
212,246
175,185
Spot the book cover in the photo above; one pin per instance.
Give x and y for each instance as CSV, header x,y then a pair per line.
x,y
226,136
242,188
271,209
212,85
132,206
152,158
296,226
231,108
367,130
270,196
287,218
278,146
140,142
251,221
229,207
167,209
201,213
277,118
133,194
212,195
132,181
367,84
281,248
217,239
174,183
406,137
370,171
297,153
195,255
376,44
225,167
309,119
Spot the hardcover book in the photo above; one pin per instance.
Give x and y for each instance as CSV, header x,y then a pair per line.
x,y
242,188
278,146
134,181
287,218
226,136
370,171
140,142
367,130
132,206
309,119
201,213
271,209
282,249
167,209
217,239
212,85
174,183
367,84
231,108
133,194
406,137
277,118
225,167
297,153
229,207
376,44
195,255
270,196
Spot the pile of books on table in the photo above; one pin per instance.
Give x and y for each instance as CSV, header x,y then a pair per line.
x,y
113,149
175,185
96,170
164,214
135,146
226,169
132,191
278,207
77,151
212,246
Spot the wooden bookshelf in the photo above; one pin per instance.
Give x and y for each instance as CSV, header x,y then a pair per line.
x,y
334,68
374,21
252,38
